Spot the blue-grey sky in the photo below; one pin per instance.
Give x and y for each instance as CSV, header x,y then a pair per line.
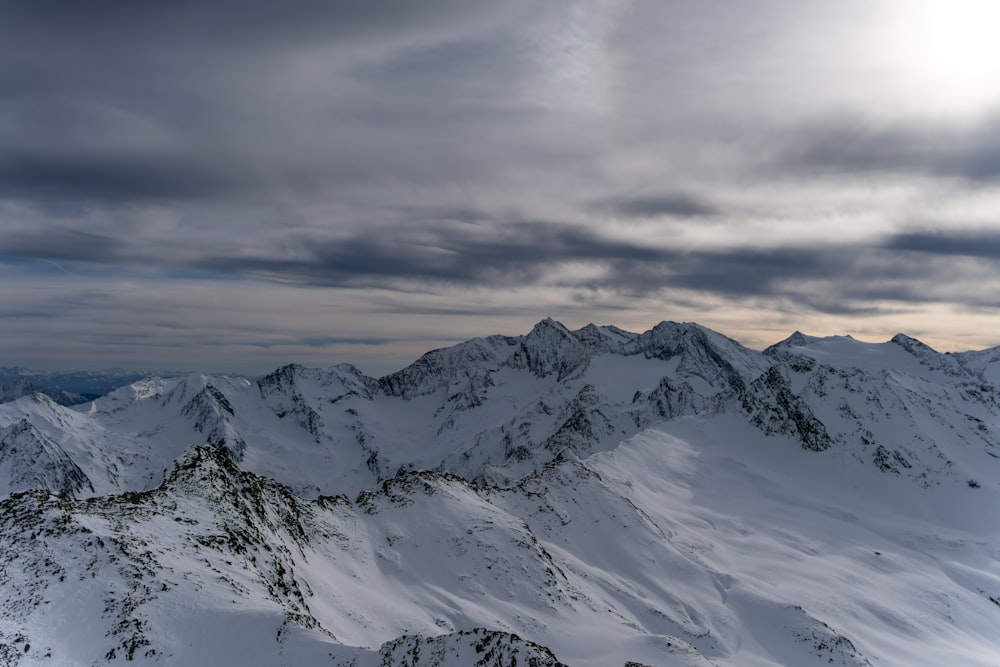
x,y
233,185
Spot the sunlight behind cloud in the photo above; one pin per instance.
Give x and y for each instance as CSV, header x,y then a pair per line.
x,y
946,54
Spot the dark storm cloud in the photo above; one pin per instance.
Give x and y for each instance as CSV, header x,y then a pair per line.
x,y
258,22
738,272
64,245
836,279
672,204
851,145
110,177
984,244
513,253
839,279
116,101
311,341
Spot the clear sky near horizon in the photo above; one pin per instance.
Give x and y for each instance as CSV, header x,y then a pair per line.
x,y
234,185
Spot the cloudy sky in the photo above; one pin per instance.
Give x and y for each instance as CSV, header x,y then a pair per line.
x,y
237,184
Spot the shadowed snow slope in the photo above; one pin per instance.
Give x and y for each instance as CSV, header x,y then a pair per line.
x,y
584,498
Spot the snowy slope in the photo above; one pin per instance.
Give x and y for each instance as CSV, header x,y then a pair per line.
x,y
737,552
593,497
900,405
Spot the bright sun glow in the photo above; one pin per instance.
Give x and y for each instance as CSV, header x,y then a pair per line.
x,y
947,51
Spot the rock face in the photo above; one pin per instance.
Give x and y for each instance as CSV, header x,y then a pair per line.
x,y
585,497
477,648
774,408
31,460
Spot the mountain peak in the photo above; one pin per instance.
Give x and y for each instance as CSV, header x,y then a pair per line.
x,y
201,462
551,348
669,339
912,345
30,459
604,338
796,339
549,326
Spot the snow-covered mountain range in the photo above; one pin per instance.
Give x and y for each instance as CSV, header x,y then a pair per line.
x,y
64,388
589,497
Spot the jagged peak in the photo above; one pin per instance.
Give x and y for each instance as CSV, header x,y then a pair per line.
x,y
200,458
796,339
282,375
668,339
348,370
30,403
41,398
673,325
912,345
550,333
191,381
496,647
799,339
689,331
206,470
151,387
294,379
606,338
181,389
589,331
442,367
550,325
21,427
209,399
550,348
37,461
427,482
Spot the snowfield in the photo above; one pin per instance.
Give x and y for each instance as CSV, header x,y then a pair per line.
x,y
586,498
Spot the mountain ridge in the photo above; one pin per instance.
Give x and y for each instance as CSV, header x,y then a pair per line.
x,y
585,497
494,409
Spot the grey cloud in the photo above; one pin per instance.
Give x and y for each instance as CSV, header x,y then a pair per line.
x,y
838,305
105,24
837,279
309,342
444,249
751,271
677,204
324,341
64,245
480,68
985,244
507,252
117,101
852,145
470,254
104,178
